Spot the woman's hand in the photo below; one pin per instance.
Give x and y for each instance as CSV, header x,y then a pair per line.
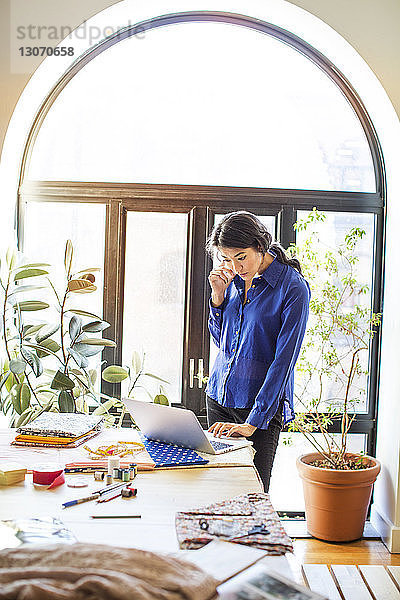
x,y
232,429
219,279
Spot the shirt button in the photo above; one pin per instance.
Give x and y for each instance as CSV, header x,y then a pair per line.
x,y
217,314
237,331
253,286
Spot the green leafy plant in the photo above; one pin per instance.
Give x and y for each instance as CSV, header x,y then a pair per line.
x,y
332,368
31,386
46,365
136,374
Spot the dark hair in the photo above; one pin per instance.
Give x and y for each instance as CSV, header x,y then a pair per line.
x,y
242,229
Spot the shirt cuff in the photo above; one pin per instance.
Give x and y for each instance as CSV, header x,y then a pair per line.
x,y
257,419
216,311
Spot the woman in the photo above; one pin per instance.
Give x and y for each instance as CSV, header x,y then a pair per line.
x,y
258,314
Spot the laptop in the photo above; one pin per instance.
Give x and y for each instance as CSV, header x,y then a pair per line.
x,y
178,426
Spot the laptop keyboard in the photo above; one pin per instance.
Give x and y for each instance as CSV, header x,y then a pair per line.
x,y
219,445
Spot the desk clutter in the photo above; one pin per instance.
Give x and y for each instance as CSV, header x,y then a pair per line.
x,y
55,430
246,519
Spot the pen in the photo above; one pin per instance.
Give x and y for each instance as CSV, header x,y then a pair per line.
x,y
80,500
109,488
116,516
107,499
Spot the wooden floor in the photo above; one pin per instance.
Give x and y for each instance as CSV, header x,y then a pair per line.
x,y
361,552
361,570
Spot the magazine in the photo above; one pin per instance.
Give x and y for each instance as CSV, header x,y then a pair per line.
x,y
260,583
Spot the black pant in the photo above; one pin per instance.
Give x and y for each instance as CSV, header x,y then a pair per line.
x,y
265,441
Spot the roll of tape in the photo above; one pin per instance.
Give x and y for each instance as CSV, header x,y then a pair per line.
x,y
128,493
49,475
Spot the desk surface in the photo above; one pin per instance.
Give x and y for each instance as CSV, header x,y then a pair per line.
x,y
161,493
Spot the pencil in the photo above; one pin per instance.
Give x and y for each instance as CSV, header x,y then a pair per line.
x,y
116,516
80,500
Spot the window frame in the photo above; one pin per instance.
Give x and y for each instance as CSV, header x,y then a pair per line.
x,y
119,197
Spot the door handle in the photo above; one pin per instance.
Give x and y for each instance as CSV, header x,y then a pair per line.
x,y
200,373
191,372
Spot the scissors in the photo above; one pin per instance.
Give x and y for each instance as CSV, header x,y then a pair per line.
x,y
257,529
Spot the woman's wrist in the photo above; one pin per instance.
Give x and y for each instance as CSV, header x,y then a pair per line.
x,y
216,301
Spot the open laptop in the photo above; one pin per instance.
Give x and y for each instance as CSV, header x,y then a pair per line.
x,y
178,426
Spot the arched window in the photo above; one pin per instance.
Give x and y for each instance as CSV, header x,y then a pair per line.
x,y
148,139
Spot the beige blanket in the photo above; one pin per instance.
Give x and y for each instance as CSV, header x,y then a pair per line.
x,y
97,572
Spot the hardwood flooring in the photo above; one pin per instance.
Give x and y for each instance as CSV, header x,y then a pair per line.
x,y
361,552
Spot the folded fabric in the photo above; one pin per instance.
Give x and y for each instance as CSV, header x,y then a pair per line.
x,y
54,424
100,572
53,442
234,517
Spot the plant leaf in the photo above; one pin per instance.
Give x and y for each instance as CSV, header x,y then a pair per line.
x,y
4,378
23,288
29,330
80,359
75,327
68,255
96,342
156,377
161,399
87,271
24,394
47,344
114,374
46,331
136,363
83,313
25,417
11,257
32,360
66,402
62,382
32,266
95,326
17,366
86,350
29,273
30,305
81,286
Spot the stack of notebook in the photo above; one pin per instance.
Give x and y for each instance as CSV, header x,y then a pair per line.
x,y
58,430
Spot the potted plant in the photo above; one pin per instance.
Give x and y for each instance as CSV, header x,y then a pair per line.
x,y
332,375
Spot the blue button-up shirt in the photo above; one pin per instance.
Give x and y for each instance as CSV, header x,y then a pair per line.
x,y
259,343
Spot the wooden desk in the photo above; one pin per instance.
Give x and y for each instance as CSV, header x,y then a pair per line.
x,y
160,494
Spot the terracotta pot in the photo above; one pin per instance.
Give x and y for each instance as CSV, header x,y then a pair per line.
x,y
336,501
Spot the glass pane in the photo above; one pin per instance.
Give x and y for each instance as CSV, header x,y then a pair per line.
x,y
236,108
155,275
286,488
269,222
48,226
330,234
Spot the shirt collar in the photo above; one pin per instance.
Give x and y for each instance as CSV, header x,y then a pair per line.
x,y
271,274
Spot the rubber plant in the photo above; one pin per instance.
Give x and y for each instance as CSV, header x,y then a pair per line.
x,y
28,387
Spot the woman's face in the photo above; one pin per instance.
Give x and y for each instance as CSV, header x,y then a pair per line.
x,y
245,262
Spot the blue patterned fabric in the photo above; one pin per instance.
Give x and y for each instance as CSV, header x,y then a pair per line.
x,y
167,455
